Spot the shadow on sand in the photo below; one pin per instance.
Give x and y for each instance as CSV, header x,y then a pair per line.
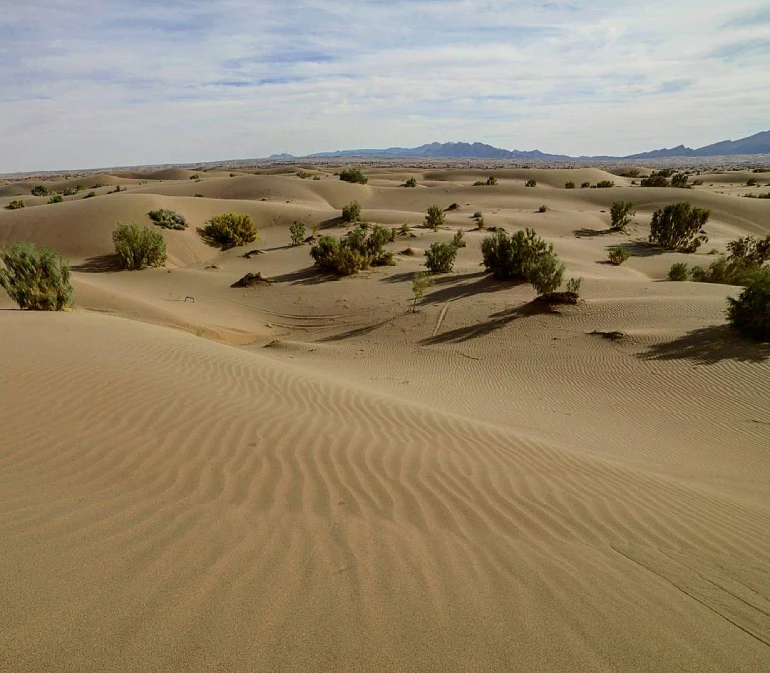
x,y
708,346
100,264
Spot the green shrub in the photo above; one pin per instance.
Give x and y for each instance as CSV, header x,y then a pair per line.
x,y
621,213
230,230
531,183
354,252
574,285
678,226
39,190
766,195
434,218
16,205
680,181
658,179
351,212
750,312
138,247
79,187
523,256
353,175
56,198
725,271
481,224
68,191
411,182
440,257
542,209
617,255
491,181
605,184
477,215
90,195
697,183
569,185
168,219
458,240
679,272
585,185
752,182
116,190
753,251
297,231
35,278
421,281
97,185
195,176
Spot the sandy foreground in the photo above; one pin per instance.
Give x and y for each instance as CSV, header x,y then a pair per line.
x,y
306,476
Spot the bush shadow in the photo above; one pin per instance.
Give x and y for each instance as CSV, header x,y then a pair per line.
x,y
100,264
708,346
307,276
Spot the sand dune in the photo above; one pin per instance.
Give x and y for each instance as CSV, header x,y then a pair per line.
x,y
305,475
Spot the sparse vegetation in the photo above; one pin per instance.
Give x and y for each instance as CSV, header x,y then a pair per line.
x,y
297,231
605,184
542,209
354,252
679,272
617,255
477,215
531,183
766,195
68,191
36,278
491,181
410,182
168,219
750,312
585,185
116,190
138,247
479,183
421,281
39,190
440,257
656,179
679,227
90,195
351,212
569,185
680,181
574,285
523,256
746,257
697,183
353,175
198,196
230,230
16,204
458,240
97,185
753,251
752,182
404,229
621,213
56,198
434,218
195,176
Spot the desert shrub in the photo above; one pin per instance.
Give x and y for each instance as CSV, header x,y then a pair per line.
x,y
353,175
303,175
605,184
90,195
477,215
39,190
16,205
421,281
97,185
351,212
523,256
621,213
458,240
404,229
195,176
36,278
633,173
574,285
531,183
766,195
725,271
656,179
56,198
230,230
440,257
697,183
750,312
752,182
569,185
585,185
354,252
138,247
116,190
79,187
680,181
317,178
753,251
491,181
678,226
480,223
411,182
679,272
297,231
617,255
168,219
542,209
68,191
198,196
434,217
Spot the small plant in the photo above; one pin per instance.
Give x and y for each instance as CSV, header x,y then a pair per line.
x,y
605,184
481,224
56,198
617,255
679,227
421,281
230,230
477,215
90,195
531,183
16,205
434,218
351,212
297,231
458,240
97,185
752,182
411,182
680,181
116,190
195,176
440,257
585,185
409,252
168,219
752,251
35,278
491,181
697,183
657,179
621,213
138,247
750,312
679,272
353,175
543,209
317,178
303,175
569,185
404,229
79,187
68,191
39,190
574,285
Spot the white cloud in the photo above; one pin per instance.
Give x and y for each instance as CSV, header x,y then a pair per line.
x,y
107,83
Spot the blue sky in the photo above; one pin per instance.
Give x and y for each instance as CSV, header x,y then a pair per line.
x,y
104,83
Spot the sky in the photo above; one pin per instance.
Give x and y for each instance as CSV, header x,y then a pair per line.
x,y
102,83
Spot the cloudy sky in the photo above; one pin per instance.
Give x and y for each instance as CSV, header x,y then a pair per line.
x,y
108,82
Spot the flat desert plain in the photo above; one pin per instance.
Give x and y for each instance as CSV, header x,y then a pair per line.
x,y
307,476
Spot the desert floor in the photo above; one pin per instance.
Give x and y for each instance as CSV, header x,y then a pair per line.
x,y
307,476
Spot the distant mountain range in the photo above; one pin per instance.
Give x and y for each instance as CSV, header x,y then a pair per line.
x,y
759,143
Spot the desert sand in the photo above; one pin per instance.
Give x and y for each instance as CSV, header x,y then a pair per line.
x,y
307,476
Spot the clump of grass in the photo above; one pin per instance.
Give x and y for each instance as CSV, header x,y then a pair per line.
x,y
410,182
543,209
